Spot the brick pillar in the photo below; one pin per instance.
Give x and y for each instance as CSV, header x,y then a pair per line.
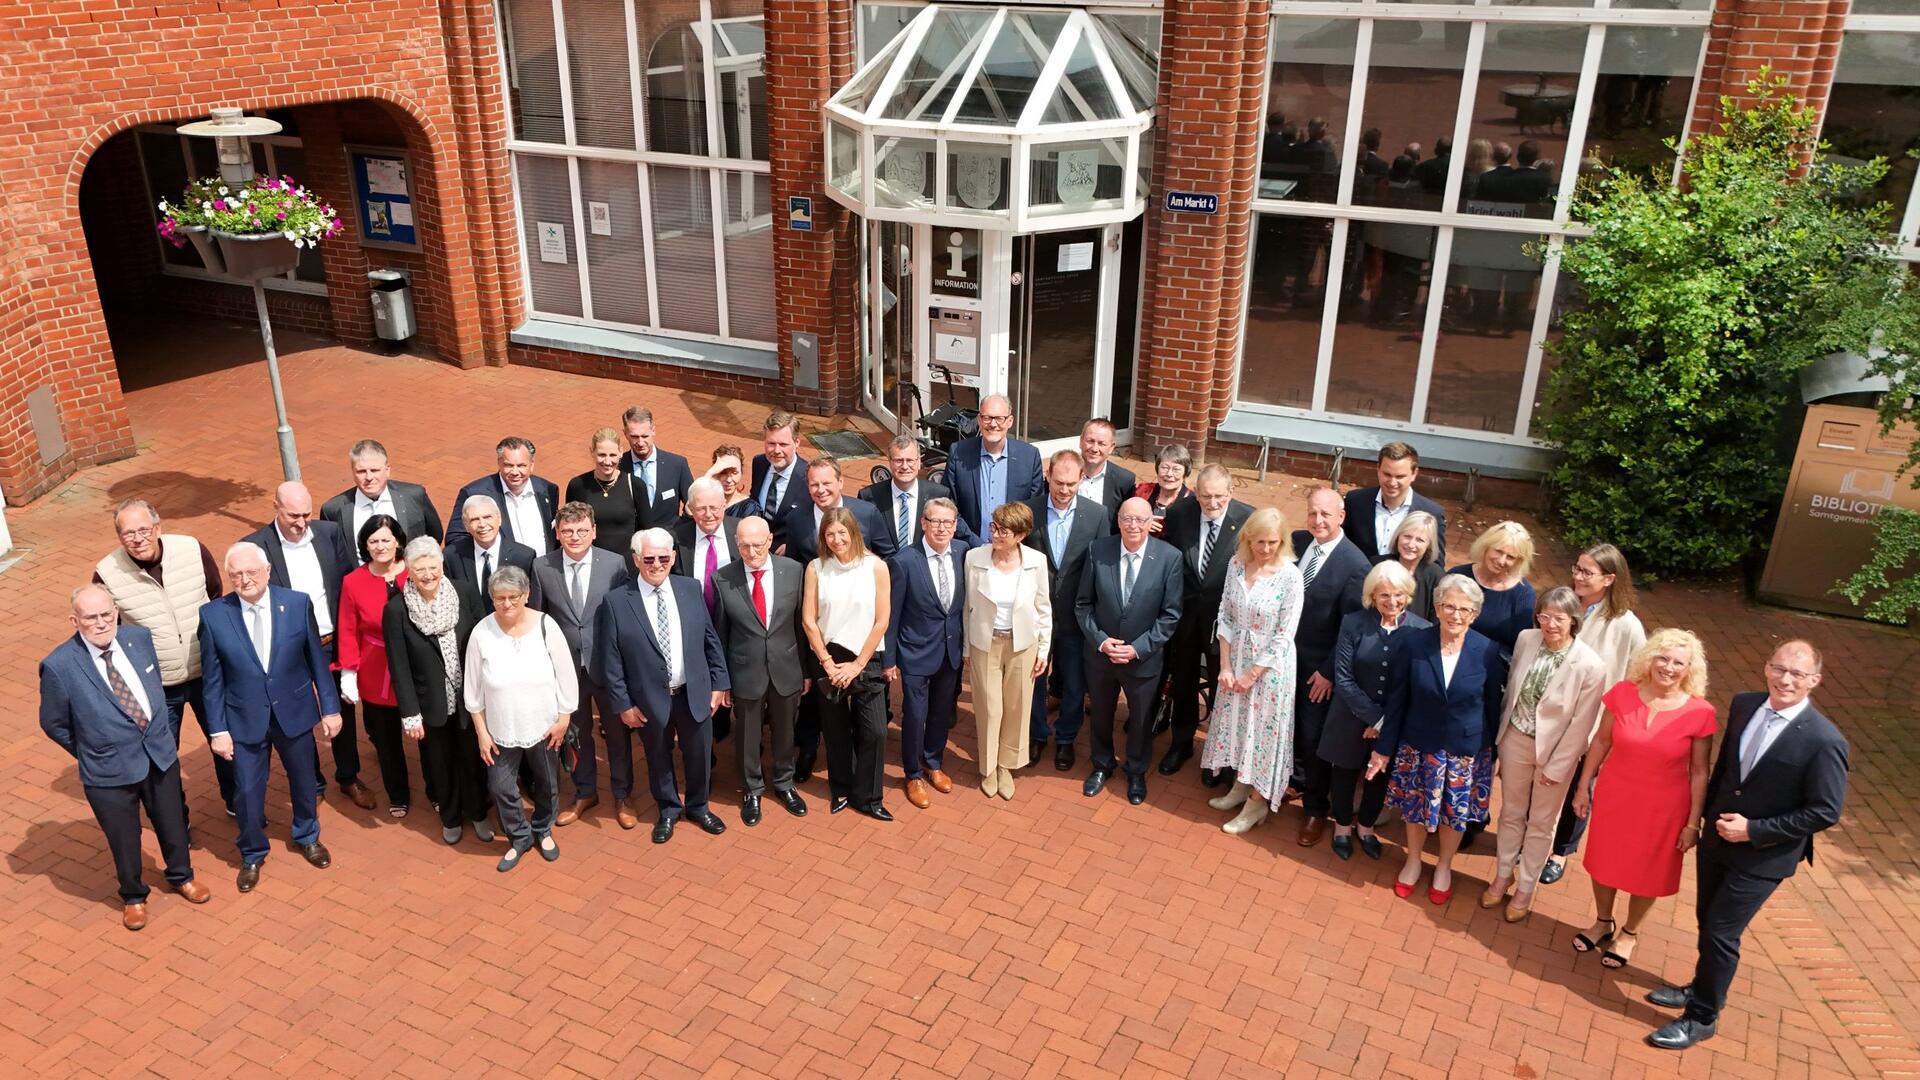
x,y
813,271
1196,262
1798,39
342,258
493,234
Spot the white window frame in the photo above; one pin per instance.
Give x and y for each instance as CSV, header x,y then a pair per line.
x,y
1907,239
716,166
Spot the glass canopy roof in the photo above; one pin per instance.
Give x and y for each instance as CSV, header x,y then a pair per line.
x,y
1011,118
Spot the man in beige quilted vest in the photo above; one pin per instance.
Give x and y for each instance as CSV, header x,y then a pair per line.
x,y
159,581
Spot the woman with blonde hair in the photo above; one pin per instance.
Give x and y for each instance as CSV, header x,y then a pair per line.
x,y
1500,559
1416,548
609,490
844,609
1655,741
1250,729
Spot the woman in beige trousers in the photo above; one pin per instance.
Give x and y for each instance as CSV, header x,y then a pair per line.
x,y
1009,635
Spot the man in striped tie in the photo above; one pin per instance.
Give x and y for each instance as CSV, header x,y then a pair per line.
x,y
1205,530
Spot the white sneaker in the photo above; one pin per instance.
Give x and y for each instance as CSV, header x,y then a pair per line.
x,y
1252,814
1235,795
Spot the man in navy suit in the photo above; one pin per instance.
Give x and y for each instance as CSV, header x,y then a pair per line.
x,y
992,467
526,502
665,673
663,477
926,644
374,491
802,526
1374,513
1205,530
1332,569
1128,607
102,701
1781,777
482,548
1102,481
780,475
267,688
1065,524
901,498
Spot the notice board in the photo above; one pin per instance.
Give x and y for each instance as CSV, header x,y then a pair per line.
x,y
383,197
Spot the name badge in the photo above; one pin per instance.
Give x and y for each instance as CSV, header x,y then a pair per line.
x,y
669,493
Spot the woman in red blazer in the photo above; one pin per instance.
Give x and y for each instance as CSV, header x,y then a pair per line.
x,y
362,644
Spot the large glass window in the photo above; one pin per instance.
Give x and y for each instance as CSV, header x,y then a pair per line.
x,y
1411,163
609,102
1874,111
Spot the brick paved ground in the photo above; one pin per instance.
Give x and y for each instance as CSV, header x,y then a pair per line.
x,y
1051,935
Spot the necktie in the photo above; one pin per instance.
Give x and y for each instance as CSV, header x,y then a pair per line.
x,y
774,481
903,522
943,581
486,571
123,693
646,477
663,628
759,597
713,564
1764,721
578,589
1127,579
257,628
1206,546
1312,567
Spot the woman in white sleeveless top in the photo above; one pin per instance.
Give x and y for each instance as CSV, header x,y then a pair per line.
x,y
844,612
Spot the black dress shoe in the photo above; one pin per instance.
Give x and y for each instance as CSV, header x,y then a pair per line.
x,y
794,804
1370,845
1553,871
1671,997
839,803
1176,756
663,830
249,877
1035,749
1343,846
750,811
1681,1034
708,821
315,854
1213,777
802,766
1136,789
1096,780
1062,756
877,812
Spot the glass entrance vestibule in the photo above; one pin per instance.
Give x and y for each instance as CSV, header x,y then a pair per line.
x,y
998,159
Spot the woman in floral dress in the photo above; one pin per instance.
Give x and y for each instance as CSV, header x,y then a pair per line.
x,y
1251,727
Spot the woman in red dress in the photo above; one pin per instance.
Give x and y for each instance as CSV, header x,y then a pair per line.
x,y
363,650
1655,740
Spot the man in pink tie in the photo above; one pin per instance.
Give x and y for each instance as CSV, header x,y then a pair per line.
x,y
704,542
756,612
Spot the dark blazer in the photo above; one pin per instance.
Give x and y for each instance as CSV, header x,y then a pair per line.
x,y
241,698
1359,523
634,670
963,477
672,477
412,507
458,561
881,497
1360,684
1424,579
920,634
1148,620
329,545
1796,789
1334,594
413,659
686,533
1089,524
1186,531
1117,488
761,657
551,594
545,492
792,497
803,539
78,711
1507,183
1430,714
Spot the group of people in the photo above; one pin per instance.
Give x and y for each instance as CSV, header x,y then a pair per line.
x,y
1338,664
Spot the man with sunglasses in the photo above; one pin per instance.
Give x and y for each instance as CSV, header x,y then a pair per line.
x,y
1781,777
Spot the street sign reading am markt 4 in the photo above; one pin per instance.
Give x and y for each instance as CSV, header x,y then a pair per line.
x,y
1192,202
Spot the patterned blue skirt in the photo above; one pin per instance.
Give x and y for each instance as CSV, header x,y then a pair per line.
x,y
1436,790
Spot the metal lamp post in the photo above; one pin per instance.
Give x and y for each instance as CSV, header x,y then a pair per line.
x,y
229,129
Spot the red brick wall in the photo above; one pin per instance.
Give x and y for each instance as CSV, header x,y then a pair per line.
x,y
1798,39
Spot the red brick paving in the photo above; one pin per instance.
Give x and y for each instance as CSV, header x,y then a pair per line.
x,y
1054,935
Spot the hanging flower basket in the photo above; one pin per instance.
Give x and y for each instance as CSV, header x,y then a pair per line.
x,y
251,230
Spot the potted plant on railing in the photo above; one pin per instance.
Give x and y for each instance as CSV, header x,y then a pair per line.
x,y
249,230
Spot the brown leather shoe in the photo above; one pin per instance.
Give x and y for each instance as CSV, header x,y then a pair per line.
x,y
134,917
1312,831
577,811
361,795
193,892
918,793
248,877
941,782
623,813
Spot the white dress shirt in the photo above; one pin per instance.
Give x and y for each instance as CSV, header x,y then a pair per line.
x,y
894,492
523,510
364,508
717,540
934,561
124,666
1767,732
649,600
1093,486
582,568
1324,547
765,570
1386,520
479,571
303,573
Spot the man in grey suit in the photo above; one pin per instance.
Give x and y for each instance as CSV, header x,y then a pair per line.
x,y
1065,523
756,612
1128,608
374,491
569,585
101,700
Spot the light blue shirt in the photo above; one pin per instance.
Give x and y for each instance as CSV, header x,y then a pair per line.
x,y
993,486
1059,525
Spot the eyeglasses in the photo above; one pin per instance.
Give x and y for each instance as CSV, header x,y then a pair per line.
x,y
997,421
938,523
1782,672
1136,519
1458,611
137,534
656,560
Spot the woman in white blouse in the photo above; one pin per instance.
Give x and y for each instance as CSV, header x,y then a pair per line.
x,y
521,690
844,611
1009,638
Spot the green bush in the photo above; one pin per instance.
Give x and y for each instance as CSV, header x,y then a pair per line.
x,y
1702,304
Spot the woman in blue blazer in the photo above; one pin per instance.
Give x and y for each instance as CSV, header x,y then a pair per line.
x,y
1360,662
1444,690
